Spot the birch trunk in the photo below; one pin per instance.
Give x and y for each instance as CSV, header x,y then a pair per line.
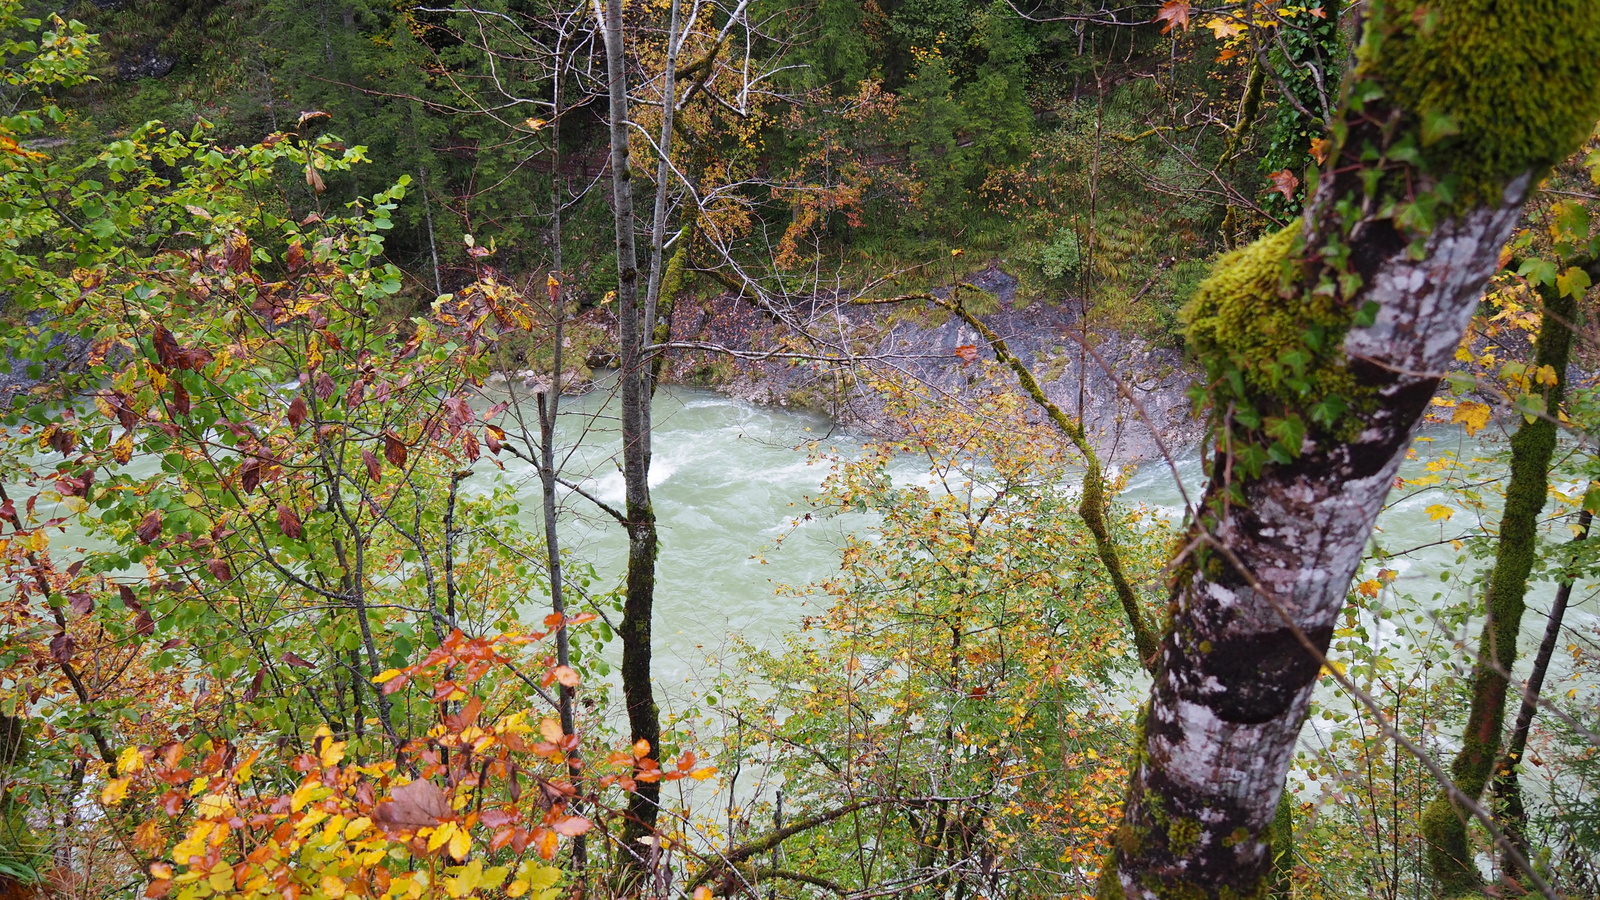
x,y
1323,346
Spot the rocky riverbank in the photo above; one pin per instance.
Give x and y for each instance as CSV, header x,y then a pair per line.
x,y
1132,393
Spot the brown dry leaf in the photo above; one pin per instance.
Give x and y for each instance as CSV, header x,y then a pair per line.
x,y
419,804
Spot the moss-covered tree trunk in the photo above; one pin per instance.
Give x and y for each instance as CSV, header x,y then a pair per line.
x,y
1444,824
1323,345
1510,812
633,383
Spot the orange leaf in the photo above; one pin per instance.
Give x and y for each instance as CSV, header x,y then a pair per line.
x,y
1174,13
1285,183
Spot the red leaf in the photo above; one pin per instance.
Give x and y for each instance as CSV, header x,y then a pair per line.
x,y
167,349
255,685
236,252
219,569
968,354
325,386
1174,13
394,450
297,411
1285,183
150,528
571,826
62,647
460,411
291,658
180,398
374,468
495,818
289,522
81,603
492,437
296,257
62,440
419,804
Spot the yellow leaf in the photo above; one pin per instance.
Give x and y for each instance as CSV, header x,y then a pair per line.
x,y
1439,512
114,792
460,844
332,752
386,675
356,826
302,794
440,836
221,878
1472,415
129,761
333,886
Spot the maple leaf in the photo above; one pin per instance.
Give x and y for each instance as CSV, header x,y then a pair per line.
x,y
1472,416
1173,13
1224,27
1285,183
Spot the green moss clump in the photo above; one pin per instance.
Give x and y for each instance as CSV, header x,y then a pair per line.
x,y
1493,88
1182,835
1272,350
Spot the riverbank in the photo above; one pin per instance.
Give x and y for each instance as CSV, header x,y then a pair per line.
x,y
1131,393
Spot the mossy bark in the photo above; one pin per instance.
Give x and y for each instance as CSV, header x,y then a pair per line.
x,y
644,721
1510,813
1405,225
1444,823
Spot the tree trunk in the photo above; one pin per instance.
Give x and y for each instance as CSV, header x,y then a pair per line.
x,y
1512,815
644,723
1323,345
1444,826
549,409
